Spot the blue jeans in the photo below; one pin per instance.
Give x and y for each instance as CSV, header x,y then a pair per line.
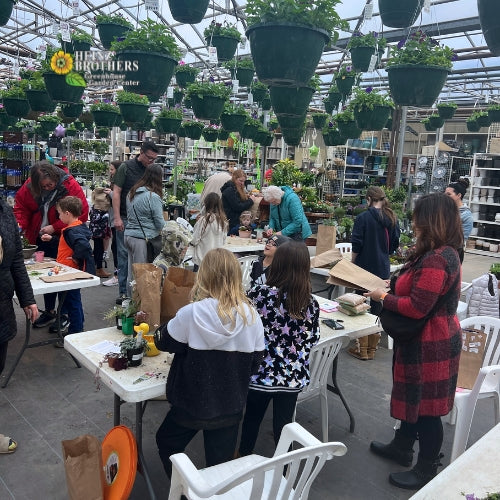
x,y
122,252
72,306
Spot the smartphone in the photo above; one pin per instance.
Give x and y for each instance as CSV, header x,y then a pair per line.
x,y
331,323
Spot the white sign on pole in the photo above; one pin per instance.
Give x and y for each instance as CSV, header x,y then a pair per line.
x,y
65,33
212,55
368,12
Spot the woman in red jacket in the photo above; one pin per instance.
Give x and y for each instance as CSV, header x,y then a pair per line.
x,y
425,368
36,214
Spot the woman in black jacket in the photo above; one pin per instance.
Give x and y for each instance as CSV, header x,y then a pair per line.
x,y
14,278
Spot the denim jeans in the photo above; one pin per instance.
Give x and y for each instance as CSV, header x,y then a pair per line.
x,y
72,306
122,252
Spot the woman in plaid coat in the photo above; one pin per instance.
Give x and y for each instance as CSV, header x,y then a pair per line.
x,y
425,368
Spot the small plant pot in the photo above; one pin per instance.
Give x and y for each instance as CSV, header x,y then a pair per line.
x,y
244,234
29,251
135,356
127,325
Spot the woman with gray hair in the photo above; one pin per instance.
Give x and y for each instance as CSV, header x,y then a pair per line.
x,y
286,213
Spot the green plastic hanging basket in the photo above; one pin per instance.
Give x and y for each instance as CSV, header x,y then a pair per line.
x,y
105,118
169,125
361,58
349,129
208,107
398,14
16,107
232,122
108,32
290,101
226,46
446,112
133,112
60,91
188,11
345,84
372,119
40,101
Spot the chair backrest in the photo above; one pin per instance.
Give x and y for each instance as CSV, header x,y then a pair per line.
x,y
344,247
246,267
491,327
320,364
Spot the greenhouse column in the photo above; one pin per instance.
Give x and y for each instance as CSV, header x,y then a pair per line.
x,y
401,145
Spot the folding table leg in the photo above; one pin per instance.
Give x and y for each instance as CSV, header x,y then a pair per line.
x,y
336,390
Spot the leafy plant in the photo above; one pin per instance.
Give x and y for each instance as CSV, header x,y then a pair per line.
x,y
368,98
88,167
130,343
477,114
16,89
320,13
208,88
447,105
494,107
345,116
114,19
193,123
48,119
372,39
150,37
36,82
419,48
233,109
122,97
78,35
104,106
286,173
184,68
315,83
219,29
346,70
171,113
246,63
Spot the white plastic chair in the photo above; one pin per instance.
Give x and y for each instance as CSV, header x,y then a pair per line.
x,y
246,267
487,383
463,305
320,366
254,476
344,248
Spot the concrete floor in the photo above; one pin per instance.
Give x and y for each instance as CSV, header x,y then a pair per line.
x,y
48,399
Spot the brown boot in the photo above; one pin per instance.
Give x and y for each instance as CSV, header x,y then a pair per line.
x,y
101,273
373,341
360,350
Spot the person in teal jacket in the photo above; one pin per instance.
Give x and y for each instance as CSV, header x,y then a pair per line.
x,y
286,213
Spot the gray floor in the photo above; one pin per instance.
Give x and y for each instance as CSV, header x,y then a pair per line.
x,y
48,399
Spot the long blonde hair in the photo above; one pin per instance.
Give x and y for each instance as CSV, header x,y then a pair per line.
x,y
236,175
220,277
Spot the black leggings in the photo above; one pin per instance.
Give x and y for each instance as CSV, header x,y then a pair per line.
x,y
430,435
3,355
98,252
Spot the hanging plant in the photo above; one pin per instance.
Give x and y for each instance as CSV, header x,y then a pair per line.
x,y
224,37
185,74
447,110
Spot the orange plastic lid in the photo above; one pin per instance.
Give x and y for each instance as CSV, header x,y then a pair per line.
x,y
119,458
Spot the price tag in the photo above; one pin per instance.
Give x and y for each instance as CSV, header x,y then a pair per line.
x,y
65,34
75,4
152,5
212,55
373,62
15,68
170,92
250,98
55,27
368,12
236,86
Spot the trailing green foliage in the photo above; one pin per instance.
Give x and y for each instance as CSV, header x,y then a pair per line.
x,y
114,19
122,97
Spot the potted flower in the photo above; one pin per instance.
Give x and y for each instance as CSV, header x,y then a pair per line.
x,y
250,128
112,27
494,112
371,109
188,12
133,348
80,41
287,38
427,124
398,14
185,74
417,70
447,110
345,78
105,114
293,101
48,123
258,90
319,120
210,133
152,46
224,37
14,98
170,119
133,107
241,70
208,99
193,128
483,118
472,124
362,48
436,121
347,124
6,8
233,117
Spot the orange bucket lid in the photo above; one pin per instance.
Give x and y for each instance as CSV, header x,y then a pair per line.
x,y
119,458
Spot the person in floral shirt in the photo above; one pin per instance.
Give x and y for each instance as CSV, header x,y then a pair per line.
x,y
290,316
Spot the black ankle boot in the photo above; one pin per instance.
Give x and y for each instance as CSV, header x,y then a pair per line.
x,y
400,449
417,477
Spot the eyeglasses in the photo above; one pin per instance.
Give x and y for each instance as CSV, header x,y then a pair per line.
x,y
271,243
149,157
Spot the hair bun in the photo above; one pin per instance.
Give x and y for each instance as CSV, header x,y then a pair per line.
x,y
464,181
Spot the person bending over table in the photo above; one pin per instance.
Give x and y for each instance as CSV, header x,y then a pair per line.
x,y
218,341
425,367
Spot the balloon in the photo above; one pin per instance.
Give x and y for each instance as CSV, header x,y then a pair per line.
x,y
60,131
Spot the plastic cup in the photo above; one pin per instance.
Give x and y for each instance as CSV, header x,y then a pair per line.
x,y
39,256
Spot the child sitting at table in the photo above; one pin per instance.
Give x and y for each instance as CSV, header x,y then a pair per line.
x,y
245,222
74,250
218,341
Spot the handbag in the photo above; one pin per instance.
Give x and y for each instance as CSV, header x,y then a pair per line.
x,y
153,245
404,329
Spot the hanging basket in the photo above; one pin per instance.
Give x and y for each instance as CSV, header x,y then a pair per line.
x,y
226,46
244,76
286,53
75,46
169,125
490,24
429,127
151,83
40,101
446,112
292,136
349,129
319,120
178,96
266,103
16,107
188,11
259,95
335,98
328,105
72,110
473,126
210,134
484,120
47,127
416,85
192,131
494,115
104,118
249,131
436,121
108,32
290,101
71,132
183,78
398,14
232,122
344,84
6,7
286,121
372,119
223,135
361,58
207,107
60,91
133,112
336,137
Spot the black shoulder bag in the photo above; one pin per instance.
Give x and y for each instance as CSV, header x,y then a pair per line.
x,y
153,245
404,329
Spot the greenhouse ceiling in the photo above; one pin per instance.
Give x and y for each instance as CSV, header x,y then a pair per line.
x,y
474,80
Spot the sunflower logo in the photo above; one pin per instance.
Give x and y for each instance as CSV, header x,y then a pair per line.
x,y
61,63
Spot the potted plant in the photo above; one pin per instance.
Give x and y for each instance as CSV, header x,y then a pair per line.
x,y
105,114
293,136
250,128
37,94
427,124
208,99
244,232
6,7
488,17
133,348
471,123
334,96
417,70
241,70
14,98
447,110
48,123
483,118
193,128
345,78
133,107
436,121
494,112
347,124
71,130
398,14
28,248
80,41
233,117
258,90
152,46
293,101
170,119
224,37
188,12
362,48
287,38
371,109
210,133
319,120
73,110
185,74
111,27
332,136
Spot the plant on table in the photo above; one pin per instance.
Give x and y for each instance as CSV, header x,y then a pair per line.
x,y
130,343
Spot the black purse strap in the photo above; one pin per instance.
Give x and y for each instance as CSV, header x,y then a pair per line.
x,y
140,225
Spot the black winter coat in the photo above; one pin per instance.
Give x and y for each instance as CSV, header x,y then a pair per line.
x,y
13,274
233,204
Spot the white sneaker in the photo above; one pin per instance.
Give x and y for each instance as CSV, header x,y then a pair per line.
x,y
111,282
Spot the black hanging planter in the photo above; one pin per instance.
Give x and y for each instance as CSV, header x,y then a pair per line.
x,y
361,57
133,112
207,107
59,90
105,118
290,101
319,120
490,24
6,7
72,110
232,122
192,131
108,32
436,121
169,125
372,119
473,126
40,101
345,84
226,46
349,129
446,112
188,11
398,14
16,107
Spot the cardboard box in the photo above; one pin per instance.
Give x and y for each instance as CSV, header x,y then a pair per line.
x,y
495,145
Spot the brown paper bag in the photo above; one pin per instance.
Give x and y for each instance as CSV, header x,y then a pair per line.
x,y
345,273
471,358
83,466
326,238
176,291
147,291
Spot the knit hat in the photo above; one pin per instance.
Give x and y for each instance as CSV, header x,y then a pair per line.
x,y
279,239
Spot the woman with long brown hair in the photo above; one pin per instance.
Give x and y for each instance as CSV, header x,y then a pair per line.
x,y
290,316
425,367
234,197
